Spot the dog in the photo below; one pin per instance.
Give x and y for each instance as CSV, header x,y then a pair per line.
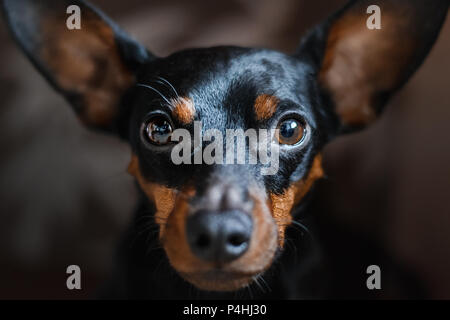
x,y
222,227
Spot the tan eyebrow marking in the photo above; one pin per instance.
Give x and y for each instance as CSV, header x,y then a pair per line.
x,y
183,109
265,106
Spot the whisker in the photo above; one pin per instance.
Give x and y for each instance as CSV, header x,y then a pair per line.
x,y
255,280
145,228
171,86
250,292
301,225
155,247
261,277
149,216
290,244
150,87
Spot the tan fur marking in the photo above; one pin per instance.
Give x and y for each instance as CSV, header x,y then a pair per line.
x,y
283,204
161,196
183,110
303,186
265,106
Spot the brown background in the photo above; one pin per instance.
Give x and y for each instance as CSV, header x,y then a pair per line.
x,y
65,196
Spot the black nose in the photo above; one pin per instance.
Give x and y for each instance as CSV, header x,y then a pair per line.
x,y
219,236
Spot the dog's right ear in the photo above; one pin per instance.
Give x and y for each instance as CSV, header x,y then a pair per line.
x,y
92,66
360,68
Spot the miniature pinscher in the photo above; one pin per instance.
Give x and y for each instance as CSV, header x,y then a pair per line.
x,y
222,226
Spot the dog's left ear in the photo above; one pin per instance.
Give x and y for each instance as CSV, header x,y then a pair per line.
x,y
359,67
91,66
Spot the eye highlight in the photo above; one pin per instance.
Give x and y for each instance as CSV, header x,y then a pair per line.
x,y
158,130
290,131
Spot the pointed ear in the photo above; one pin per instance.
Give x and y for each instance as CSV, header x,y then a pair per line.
x,y
359,68
92,66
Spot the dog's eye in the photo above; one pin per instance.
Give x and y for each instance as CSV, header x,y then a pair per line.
x,y
291,131
159,130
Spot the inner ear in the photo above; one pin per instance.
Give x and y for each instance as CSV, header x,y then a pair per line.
x,y
88,66
360,67
92,66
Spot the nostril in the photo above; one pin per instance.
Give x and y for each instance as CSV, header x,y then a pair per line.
x,y
203,241
237,239
201,235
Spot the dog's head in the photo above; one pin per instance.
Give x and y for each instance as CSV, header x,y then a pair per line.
x,y
221,221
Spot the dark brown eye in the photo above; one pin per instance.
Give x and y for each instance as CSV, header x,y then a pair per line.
x,y
159,130
291,131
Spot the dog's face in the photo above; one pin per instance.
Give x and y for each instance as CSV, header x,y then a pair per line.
x,y
221,223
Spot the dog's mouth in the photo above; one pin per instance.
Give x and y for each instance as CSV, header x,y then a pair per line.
x,y
219,280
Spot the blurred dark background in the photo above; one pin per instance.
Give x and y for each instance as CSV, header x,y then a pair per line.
x,y
65,196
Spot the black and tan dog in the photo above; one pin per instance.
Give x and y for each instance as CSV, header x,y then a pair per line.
x,y
220,226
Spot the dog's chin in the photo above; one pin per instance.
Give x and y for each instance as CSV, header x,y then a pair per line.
x,y
217,280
